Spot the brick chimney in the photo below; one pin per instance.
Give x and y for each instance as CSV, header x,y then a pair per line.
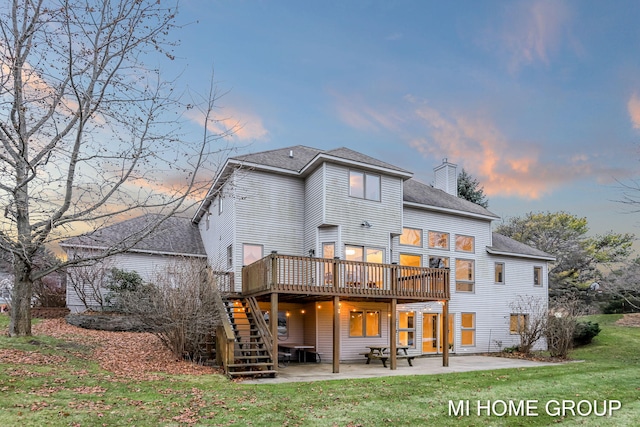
x,y
446,177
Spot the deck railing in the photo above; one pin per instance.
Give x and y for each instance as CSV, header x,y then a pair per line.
x,y
323,276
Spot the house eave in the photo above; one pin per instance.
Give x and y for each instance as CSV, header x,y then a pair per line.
x,y
141,251
518,255
450,211
323,157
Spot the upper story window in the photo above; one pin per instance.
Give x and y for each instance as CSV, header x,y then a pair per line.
x,y
251,253
364,185
438,262
411,237
438,240
465,243
465,275
499,273
220,206
537,276
410,260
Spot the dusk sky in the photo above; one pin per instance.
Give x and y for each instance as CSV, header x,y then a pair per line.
x,y
539,100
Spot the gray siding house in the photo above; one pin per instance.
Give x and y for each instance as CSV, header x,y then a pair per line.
x,y
348,251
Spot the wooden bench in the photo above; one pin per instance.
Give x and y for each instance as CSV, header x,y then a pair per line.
x,y
384,357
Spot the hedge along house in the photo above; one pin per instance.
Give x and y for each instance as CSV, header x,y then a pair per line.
x,y
175,240
347,251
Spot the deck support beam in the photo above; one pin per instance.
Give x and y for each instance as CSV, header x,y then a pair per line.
x,y
273,325
392,335
336,334
445,332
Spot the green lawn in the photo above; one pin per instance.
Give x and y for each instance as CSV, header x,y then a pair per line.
x,y
66,390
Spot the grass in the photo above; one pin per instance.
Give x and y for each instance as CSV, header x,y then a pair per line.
x,y
67,390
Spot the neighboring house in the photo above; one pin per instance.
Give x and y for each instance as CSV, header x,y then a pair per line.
x,y
175,239
351,251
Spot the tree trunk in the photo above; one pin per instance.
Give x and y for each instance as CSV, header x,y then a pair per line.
x,y
20,324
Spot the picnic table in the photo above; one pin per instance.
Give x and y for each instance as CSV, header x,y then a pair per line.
x,y
382,353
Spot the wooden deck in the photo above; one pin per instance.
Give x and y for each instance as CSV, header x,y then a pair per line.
x,y
322,277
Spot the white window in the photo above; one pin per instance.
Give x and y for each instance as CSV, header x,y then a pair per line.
x,y
364,323
465,275
499,273
364,185
537,276
468,329
230,256
411,237
438,240
251,253
465,243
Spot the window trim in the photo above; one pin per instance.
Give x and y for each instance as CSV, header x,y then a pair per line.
x,y
537,276
495,270
420,232
472,282
364,185
365,313
472,328
473,244
407,329
518,316
244,245
448,240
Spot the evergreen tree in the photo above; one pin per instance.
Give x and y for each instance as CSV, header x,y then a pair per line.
x,y
469,189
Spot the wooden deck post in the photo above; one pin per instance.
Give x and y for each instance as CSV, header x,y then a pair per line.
x,y
392,336
445,332
336,334
273,325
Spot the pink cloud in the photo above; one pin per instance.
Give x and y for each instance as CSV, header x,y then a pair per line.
x,y
633,106
242,124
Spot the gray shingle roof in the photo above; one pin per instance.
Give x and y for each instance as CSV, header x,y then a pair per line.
x,y
417,192
303,155
506,245
176,235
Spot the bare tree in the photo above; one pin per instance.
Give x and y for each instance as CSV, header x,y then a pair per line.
x,y
530,314
180,307
88,133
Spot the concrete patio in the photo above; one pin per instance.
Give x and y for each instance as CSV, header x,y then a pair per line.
x,y
297,372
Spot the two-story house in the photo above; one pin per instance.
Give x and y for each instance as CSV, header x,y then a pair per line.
x,y
347,251
406,255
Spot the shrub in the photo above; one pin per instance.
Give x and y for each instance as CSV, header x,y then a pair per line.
x,y
559,333
585,332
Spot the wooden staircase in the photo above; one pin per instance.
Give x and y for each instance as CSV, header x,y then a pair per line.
x,y
253,355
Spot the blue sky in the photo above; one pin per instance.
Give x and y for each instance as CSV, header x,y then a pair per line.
x,y
539,100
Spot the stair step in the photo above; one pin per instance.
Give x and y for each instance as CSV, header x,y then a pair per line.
x,y
252,365
253,373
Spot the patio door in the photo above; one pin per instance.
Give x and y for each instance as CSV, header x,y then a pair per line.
x,y
433,331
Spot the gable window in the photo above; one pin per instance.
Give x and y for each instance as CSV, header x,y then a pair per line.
x,y
438,262
364,185
220,207
465,275
464,243
468,329
518,323
411,237
499,273
537,276
364,323
407,328
438,240
251,253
